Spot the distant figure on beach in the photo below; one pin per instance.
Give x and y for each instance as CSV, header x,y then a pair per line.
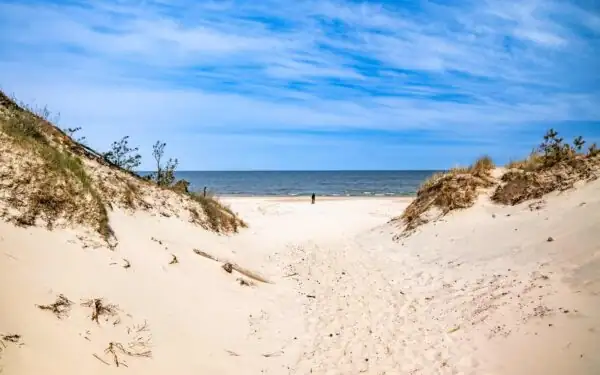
x,y
205,192
313,198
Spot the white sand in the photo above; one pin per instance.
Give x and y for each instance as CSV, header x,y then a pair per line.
x,y
472,294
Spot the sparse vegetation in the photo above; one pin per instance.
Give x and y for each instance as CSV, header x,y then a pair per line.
x,y
62,185
72,133
123,156
555,165
445,192
135,349
60,307
219,216
11,338
99,308
47,177
165,172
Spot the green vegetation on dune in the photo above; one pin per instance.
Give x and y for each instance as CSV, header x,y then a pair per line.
x,y
554,165
46,175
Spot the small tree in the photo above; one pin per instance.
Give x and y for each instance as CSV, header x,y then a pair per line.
x,y
553,149
71,133
578,143
122,155
165,174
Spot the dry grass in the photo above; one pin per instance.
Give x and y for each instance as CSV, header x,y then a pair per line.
x,y
219,216
526,183
60,307
446,192
554,166
483,166
532,163
11,338
47,177
99,308
116,350
54,183
138,346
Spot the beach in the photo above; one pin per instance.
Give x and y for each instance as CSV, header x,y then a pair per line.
x,y
482,291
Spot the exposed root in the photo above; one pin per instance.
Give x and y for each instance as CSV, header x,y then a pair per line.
x,y
174,260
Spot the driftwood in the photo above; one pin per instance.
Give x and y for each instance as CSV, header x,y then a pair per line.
x,y
238,268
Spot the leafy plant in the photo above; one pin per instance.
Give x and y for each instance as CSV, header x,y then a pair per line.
x,y
165,173
71,132
553,149
578,143
122,155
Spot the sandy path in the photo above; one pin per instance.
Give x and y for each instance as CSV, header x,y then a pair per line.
x,y
481,292
450,301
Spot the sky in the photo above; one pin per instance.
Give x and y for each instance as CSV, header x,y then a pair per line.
x,y
309,85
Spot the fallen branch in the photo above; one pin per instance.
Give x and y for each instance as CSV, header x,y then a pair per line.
x,y
274,354
100,359
234,266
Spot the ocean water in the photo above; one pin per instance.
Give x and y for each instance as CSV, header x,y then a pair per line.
x,y
300,183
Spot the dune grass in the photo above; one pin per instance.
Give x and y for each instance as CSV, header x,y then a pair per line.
x,y
61,183
555,165
50,176
449,191
219,215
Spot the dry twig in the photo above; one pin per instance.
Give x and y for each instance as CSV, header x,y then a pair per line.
x,y
234,266
60,307
99,308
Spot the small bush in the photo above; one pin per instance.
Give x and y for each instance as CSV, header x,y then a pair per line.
x,y
165,173
123,156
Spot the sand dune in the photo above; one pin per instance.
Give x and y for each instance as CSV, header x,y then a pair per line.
x,y
482,291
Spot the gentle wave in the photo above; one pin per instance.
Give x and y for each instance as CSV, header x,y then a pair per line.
x,y
297,184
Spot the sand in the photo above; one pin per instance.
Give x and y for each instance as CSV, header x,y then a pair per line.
x,y
482,291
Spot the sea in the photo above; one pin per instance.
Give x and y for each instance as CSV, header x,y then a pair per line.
x,y
303,183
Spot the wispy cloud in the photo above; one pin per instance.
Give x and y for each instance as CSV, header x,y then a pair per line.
x,y
471,70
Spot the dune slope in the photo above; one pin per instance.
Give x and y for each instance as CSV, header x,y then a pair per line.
x,y
482,291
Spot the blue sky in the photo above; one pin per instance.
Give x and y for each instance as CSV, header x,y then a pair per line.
x,y
327,84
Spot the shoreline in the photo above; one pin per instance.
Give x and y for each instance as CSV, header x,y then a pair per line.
x,y
301,198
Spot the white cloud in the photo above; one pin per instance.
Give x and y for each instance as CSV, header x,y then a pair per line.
x,y
483,67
